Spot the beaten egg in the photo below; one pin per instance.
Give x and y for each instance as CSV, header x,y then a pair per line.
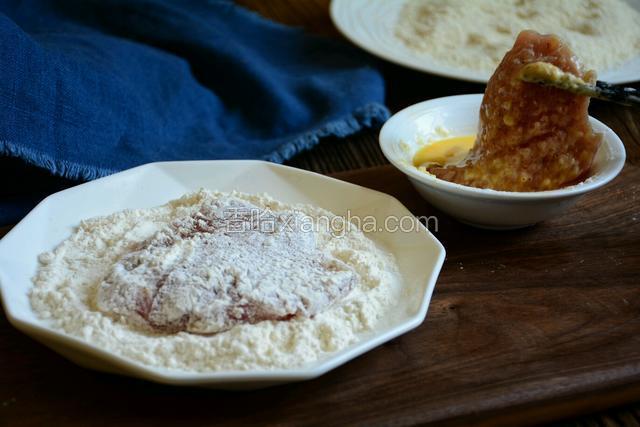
x,y
444,152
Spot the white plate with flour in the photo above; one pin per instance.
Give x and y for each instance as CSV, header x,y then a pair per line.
x,y
373,26
418,254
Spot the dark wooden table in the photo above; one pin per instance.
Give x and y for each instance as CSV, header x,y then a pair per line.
x,y
525,327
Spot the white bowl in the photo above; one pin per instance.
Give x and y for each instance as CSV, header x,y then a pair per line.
x,y
418,253
458,115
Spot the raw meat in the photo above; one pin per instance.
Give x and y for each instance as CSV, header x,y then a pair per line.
x,y
531,138
228,264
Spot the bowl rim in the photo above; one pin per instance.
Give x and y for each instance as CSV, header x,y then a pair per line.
x,y
610,138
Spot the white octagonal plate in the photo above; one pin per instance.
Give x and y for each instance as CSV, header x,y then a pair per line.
x,y
419,254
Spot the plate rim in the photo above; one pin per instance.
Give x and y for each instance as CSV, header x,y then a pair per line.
x,y
46,334
444,71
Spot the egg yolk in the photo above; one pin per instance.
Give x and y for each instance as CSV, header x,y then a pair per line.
x,y
445,151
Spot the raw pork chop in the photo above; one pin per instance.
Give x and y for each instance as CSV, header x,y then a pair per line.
x,y
531,138
229,263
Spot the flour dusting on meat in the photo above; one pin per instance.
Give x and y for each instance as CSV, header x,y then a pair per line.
x,y
207,283
230,262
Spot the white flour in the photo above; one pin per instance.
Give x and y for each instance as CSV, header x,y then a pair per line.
x,y
68,285
476,34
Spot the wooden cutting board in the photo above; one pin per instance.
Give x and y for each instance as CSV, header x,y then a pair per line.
x,y
524,326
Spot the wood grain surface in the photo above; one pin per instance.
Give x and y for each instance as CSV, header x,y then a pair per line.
x,y
525,326
546,317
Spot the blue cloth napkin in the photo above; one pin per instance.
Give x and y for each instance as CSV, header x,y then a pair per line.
x,y
92,87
